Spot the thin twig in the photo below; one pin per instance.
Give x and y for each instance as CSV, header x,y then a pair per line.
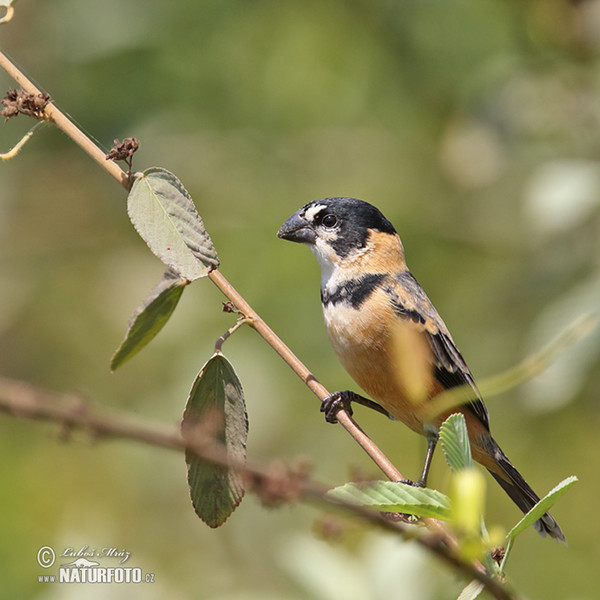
x,y
19,145
222,339
26,401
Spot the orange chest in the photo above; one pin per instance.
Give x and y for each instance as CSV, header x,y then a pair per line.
x,y
361,339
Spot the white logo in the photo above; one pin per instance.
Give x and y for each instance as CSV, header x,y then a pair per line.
x,y
84,568
46,557
81,563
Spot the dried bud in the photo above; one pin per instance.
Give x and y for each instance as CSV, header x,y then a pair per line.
x,y
124,151
229,307
21,102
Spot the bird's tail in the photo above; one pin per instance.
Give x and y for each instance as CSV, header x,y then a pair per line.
x,y
522,495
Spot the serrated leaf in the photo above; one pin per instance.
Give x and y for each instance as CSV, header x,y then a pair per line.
x,y
216,406
472,590
163,213
454,438
542,506
150,317
391,496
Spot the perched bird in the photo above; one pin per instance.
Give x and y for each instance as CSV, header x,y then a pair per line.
x,y
368,296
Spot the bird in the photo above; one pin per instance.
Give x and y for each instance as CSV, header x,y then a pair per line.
x,y
370,299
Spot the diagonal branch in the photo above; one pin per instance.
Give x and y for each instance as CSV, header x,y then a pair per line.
x,y
57,117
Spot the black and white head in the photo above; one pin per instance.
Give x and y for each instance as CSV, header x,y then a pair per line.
x,y
340,232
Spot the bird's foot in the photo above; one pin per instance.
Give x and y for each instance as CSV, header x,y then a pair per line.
x,y
418,484
335,402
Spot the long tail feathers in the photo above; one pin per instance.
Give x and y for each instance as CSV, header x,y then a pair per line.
x,y
524,497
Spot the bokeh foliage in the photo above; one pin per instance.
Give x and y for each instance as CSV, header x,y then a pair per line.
x,y
473,124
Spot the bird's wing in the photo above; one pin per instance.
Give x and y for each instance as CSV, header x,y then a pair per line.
x,y
450,369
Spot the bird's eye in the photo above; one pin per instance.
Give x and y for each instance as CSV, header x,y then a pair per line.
x,y
329,220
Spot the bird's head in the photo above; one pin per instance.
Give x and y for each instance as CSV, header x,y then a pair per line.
x,y
342,232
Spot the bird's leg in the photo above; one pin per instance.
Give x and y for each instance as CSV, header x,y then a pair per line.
x,y
432,436
343,400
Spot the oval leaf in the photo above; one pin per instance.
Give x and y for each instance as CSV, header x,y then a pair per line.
x,y
164,215
392,496
454,438
542,507
150,317
216,409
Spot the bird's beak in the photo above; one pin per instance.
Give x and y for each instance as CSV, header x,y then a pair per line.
x,y
297,229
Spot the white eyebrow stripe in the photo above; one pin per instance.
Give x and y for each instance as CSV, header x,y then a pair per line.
x,y
310,214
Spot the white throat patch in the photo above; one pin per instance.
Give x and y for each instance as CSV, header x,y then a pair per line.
x,y
327,259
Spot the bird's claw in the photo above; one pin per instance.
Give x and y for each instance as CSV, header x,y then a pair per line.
x,y
418,484
335,402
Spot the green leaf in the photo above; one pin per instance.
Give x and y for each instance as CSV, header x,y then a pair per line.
x,y
454,438
390,496
150,317
216,407
541,507
164,215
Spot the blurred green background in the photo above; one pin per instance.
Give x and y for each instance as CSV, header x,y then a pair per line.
x,y
473,124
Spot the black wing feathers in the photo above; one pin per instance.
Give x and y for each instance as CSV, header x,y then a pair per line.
x,y
450,368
